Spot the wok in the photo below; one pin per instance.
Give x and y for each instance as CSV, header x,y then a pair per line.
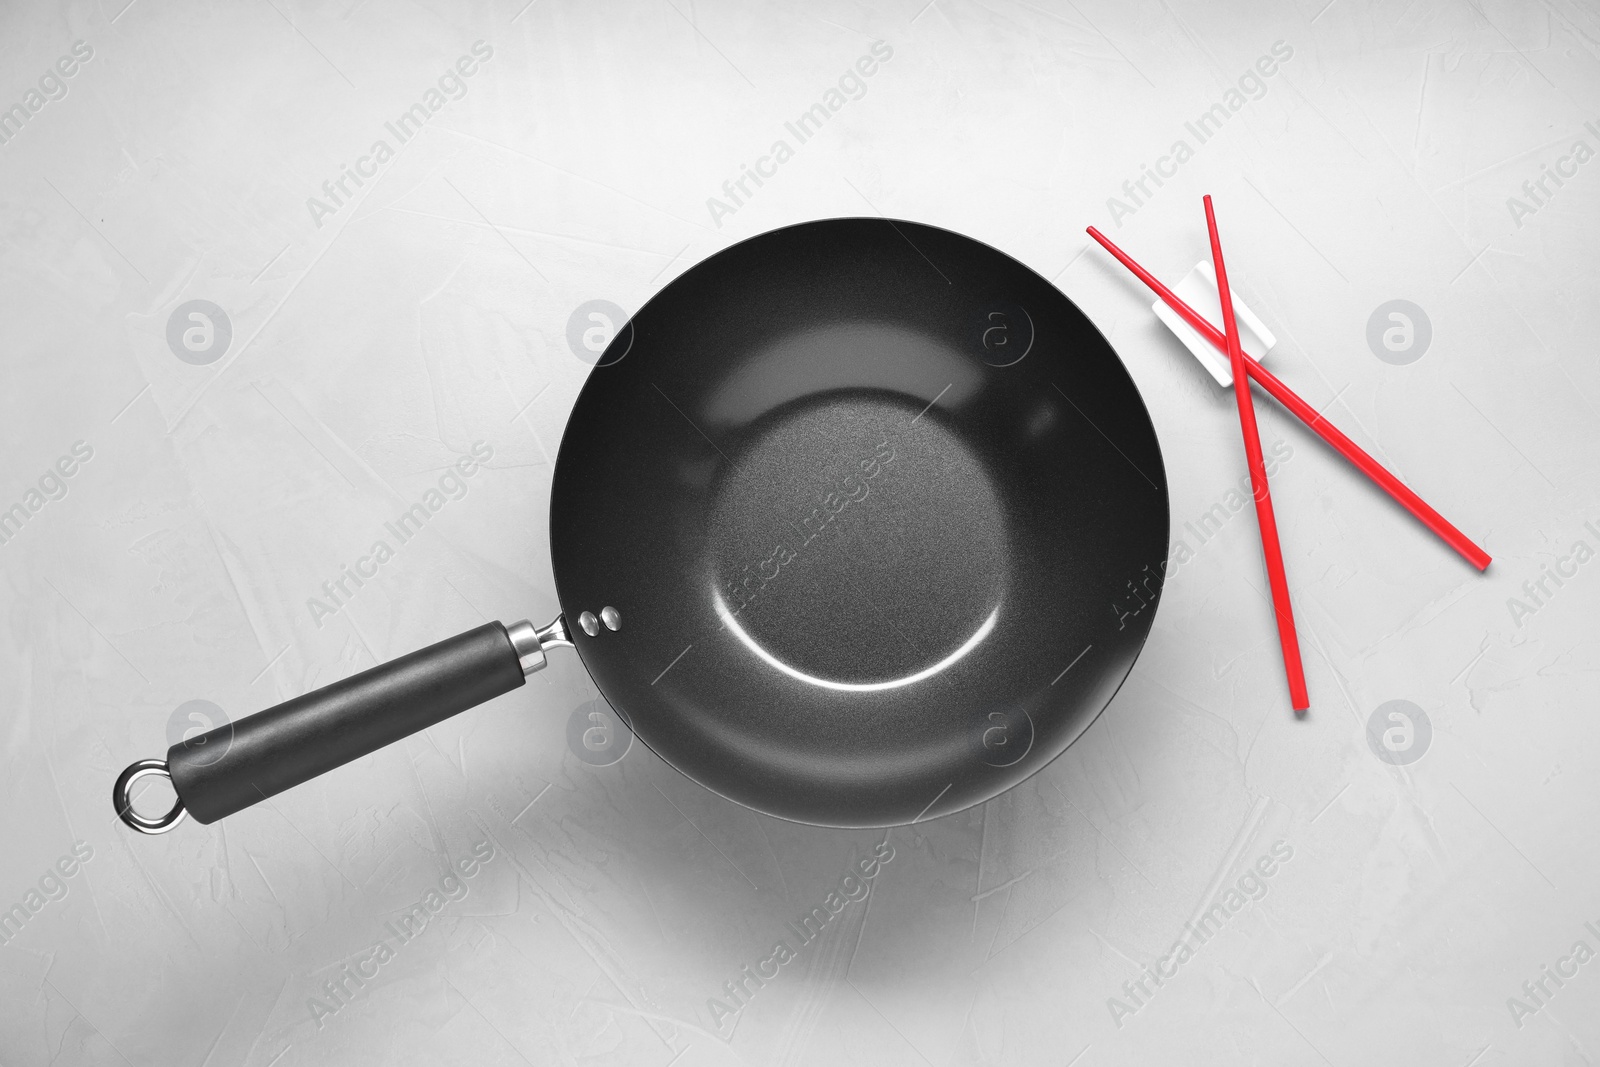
x,y
858,522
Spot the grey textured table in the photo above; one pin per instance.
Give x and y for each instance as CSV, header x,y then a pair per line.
x,y
270,268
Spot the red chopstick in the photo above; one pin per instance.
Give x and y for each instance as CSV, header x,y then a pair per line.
x,y
1308,415
1268,523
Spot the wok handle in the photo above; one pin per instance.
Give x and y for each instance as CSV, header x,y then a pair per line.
x,y
238,764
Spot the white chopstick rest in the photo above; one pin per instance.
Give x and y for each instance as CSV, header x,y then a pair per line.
x,y
1198,289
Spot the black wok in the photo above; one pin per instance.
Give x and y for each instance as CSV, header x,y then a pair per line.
x,y
857,523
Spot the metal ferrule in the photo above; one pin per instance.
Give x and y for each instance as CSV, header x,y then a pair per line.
x,y
530,643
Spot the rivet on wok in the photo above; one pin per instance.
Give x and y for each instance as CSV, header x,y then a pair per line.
x,y
589,624
611,617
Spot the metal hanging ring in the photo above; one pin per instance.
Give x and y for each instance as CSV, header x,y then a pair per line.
x,y
123,801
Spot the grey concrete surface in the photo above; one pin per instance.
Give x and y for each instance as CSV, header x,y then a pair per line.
x,y
248,368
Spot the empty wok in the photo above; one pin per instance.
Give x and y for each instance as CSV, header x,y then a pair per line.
x,y
858,522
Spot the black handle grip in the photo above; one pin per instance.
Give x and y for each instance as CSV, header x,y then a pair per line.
x,y
236,765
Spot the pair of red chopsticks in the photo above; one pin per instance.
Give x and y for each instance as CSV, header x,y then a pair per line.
x,y
1243,369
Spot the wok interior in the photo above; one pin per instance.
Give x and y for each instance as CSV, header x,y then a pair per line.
x,y
854,539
